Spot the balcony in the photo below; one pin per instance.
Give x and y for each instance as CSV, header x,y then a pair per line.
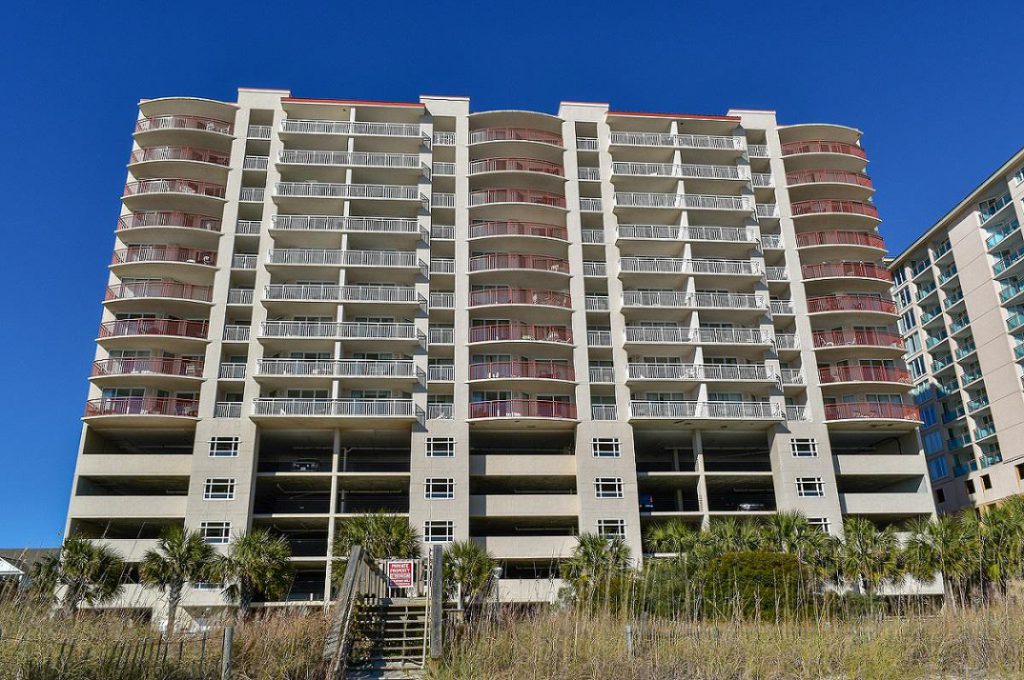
x,y
142,406
675,265
340,368
860,374
590,205
497,261
524,505
700,372
441,336
826,207
665,232
681,170
179,153
857,338
869,410
601,374
706,410
157,289
350,128
527,196
256,163
442,300
187,187
596,303
767,210
529,370
341,330
440,411
172,220
532,165
442,232
792,376
388,192
332,293
236,333
478,229
183,123
850,302
656,139
635,199
159,366
442,265
343,408
519,296
687,335
231,371
782,307
241,296
163,253
587,144
520,332
344,258
599,338
168,327
350,159
442,169
511,134
827,176
373,225
593,236
837,237
865,270
898,504
441,373
672,299
522,408
823,146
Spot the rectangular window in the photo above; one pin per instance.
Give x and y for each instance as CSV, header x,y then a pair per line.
x,y
938,469
969,486
224,447
440,447
940,496
821,523
933,442
809,487
986,482
611,528
606,447
608,487
804,448
219,489
438,488
216,533
1018,177
438,531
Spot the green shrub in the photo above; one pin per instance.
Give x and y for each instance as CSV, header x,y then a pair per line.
x,y
752,584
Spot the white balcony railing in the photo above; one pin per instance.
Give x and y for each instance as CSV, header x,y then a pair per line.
x,y
231,372
678,141
590,205
381,225
444,138
762,179
441,335
339,330
440,411
587,144
636,199
444,169
227,409
243,261
787,341
588,174
683,170
248,227
259,132
603,412
792,376
677,265
394,192
699,372
339,368
335,293
442,300
441,373
257,163
591,268
736,410
596,303
442,265
592,235
236,333
349,158
442,200
638,298
251,194
602,374
344,127
688,335
771,242
442,232
347,258
668,232
757,150
599,338
375,408
240,296
767,210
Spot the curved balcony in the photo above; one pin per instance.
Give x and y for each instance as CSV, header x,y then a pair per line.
x,y
162,254
838,237
519,296
141,411
173,194
184,130
522,408
834,207
531,165
869,410
505,261
514,134
162,227
831,375
179,328
486,197
522,370
823,146
833,270
846,338
850,302
178,122
172,290
489,229
520,332
179,153
147,367
828,176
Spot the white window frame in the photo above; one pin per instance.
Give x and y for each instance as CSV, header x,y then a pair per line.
x,y
606,447
209,494
601,489
810,487
431,528
211,532
803,447
231,451
439,488
821,523
613,527
440,447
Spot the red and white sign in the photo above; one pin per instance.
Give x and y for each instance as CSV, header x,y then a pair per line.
x,y
400,573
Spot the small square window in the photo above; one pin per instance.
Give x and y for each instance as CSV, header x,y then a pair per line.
x,y
820,523
219,489
986,482
216,533
804,448
438,531
809,486
606,447
224,447
940,496
608,487
611,528
438,488
969,486
440,447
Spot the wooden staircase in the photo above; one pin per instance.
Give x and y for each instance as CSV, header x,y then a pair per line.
x,y
389,639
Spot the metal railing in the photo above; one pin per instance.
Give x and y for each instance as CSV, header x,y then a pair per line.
x,y
687,233
243,261
843,269
797,412
348,258
174,122
176,327
596,303
757,150
227,409
684,334
191,368
522,408
787,341
479,229
838,237
519,296
538,369
377,408
590,205
395,192
776,274
236,333
248,227
179,153
826,206
442,200
158,289
823,146
828,176
791,376
602,374
339,368
252,194
255,162
699,372
588,174
138,220
592,268
587,144
336,293
637,298
441,336
503,134
751,410
677,265
240,296
850,337
382,225
442,300
529,196
599,338
766,210
442,232
344,127
354,330
349,158
259,132
784,307
592,235
762,179
231,371
678,141
850,302
682,170
515,165
838,374
638,199
439,411
174,186
142,406
771,242
603,412
441,373
163,253
870,409
442,265
516,331
492,261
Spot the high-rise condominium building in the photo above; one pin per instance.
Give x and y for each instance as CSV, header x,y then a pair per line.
x,y
960,293
513,327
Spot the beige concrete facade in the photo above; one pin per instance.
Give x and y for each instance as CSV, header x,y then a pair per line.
x,y
511,326
962,303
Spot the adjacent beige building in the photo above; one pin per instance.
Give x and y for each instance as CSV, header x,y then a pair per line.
x,y
960,292
511,326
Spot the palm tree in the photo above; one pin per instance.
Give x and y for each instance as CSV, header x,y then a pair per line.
x,y
257,562
944,546
675,537
468,569
180,557
89,573
381,535
729,534
868,557
1001,532
595,560
790,532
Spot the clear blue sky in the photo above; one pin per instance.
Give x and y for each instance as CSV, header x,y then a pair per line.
x,y
935,86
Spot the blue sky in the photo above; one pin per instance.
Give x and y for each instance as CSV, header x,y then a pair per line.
x,y
935,86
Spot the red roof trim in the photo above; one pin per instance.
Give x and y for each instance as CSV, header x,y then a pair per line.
x,y
350,102
696,116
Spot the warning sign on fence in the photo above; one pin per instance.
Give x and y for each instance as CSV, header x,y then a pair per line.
x,y
400,573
